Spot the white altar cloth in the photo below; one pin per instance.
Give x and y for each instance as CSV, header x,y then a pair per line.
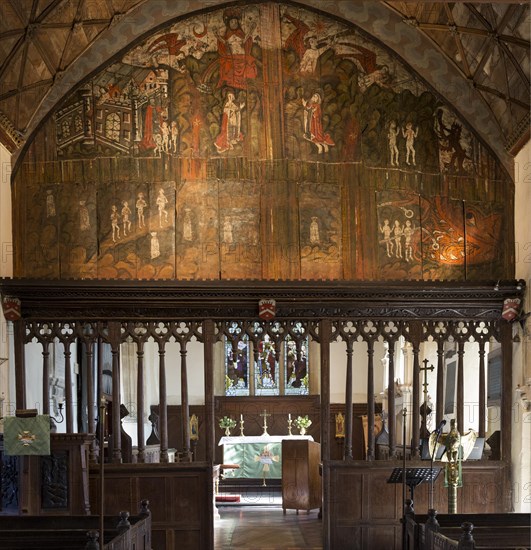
x,y
234,440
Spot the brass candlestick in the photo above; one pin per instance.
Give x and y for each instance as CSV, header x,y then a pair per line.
x,y
290,422
241,425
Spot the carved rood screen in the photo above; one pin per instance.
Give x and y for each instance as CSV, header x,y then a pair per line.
x,y
354,334
136,339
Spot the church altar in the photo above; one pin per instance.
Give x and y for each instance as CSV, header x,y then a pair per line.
x,y
259,457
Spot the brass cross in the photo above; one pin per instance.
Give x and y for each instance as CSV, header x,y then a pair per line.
x,y
425,384
265,414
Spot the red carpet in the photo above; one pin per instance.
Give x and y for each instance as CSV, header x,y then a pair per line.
x,y
228,498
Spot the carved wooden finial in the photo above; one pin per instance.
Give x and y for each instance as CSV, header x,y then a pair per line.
x,y
467,540
432,522
123,524
144,507
92,543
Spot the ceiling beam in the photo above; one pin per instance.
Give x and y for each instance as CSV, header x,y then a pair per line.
x,y
469,30
458,42
503,96
35,85
12,32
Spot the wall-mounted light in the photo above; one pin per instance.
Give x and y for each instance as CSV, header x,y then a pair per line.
x,y
57,420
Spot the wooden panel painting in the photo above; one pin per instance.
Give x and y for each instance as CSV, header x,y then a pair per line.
x,y
158,259
41,230
239,230
223,145
320,231
78,230
347,99
443,238
197,231
136,232
197,89
456,145
399,232
200,93
485,250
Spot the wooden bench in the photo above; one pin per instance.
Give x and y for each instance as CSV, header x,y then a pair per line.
x,y
76,532
469,531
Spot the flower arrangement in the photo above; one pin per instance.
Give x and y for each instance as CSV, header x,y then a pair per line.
x,y
227,422
303,422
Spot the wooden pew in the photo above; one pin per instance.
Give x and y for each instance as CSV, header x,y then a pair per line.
x,y
76,532
468,531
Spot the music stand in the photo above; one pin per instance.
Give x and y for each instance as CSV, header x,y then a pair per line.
x,y
414,477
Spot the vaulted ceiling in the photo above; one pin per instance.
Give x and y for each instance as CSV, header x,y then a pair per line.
x,y
476,55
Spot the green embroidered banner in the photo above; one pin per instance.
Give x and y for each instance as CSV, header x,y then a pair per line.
x,y
256,460
27,436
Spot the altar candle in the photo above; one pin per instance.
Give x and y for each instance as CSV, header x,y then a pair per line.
x,y
241,417
289,416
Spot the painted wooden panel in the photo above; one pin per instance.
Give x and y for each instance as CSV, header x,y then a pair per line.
x,y
443,239
320,231
275,134
78,230
399,236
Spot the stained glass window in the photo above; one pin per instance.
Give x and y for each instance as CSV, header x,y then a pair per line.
x,y
261,369
237,367
266,369
296,367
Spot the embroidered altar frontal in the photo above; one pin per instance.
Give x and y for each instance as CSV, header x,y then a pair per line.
x,y
256,460
257,456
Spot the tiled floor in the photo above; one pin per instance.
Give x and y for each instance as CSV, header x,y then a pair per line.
x,y
266,528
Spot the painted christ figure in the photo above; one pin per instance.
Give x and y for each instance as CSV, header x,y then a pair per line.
x,y
236,64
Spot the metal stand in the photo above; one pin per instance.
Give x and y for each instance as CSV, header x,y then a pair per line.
x,y
413,477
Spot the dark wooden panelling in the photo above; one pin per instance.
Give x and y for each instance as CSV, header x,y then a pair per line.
x,y
365,511
179,496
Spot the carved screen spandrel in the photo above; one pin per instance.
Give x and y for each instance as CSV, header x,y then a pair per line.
x,y
320,231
